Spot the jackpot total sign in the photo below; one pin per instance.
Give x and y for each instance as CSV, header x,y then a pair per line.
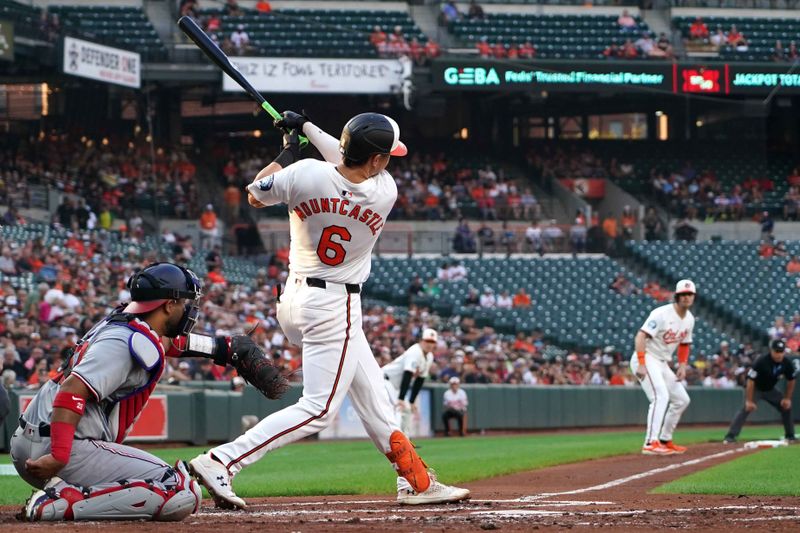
x,y
677,78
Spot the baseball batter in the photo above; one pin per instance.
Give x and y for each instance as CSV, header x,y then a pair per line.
x,y
668,328
337,209
414,364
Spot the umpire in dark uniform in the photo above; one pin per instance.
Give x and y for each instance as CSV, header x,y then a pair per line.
x,y
761,381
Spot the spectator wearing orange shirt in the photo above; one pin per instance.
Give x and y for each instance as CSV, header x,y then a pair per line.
x,y
655,291
736,39
793,266
484,48
794,177
521,298
527,50
698,30
213,24
397,45
416,51
432,206
378,39
513,51
263,7
610,226
209,230
629,50
766,250
499,51
432,49
233,199
216,277
616,378
524,344
612,51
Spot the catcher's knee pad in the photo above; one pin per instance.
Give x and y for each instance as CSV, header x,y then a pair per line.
x,y
184,499
407,463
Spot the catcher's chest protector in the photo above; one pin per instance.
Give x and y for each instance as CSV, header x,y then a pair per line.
x,y
145,349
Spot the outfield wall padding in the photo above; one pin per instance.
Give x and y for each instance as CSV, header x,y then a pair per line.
x,y
200,412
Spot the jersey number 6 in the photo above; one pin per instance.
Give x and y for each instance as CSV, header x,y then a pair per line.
x,y
329,251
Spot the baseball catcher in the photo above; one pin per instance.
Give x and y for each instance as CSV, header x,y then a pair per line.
x,y
69,440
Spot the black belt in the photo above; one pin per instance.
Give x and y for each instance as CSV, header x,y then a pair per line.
x,y
352,288
44,429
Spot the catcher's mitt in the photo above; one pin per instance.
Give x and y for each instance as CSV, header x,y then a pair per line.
x,y
256,368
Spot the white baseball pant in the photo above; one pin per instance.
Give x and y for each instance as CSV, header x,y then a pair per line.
x,y
404,414
668,398
337,359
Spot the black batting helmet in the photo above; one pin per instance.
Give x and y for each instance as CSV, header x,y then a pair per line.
x,y
370,133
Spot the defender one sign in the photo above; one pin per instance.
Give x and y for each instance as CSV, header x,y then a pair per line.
x,y
102,63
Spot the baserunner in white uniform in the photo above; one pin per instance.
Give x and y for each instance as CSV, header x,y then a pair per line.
x,y
668,328
408,372
337,209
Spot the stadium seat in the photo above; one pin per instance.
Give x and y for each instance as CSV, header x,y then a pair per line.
x,y
574,308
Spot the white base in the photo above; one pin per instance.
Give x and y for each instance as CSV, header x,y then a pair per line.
x,y
765,444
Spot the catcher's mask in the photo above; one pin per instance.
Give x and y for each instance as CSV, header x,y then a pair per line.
x,y
154,285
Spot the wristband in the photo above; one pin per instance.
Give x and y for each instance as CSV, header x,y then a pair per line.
x,y
217,349
285,158
640,355
683,353
69,401
61,436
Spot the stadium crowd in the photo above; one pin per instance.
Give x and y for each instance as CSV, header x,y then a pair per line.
x,y
693,192
434,187
102,179
76,284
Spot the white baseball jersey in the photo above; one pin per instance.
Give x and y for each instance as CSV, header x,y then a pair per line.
x,y
456,400
414,360
667,330
334,223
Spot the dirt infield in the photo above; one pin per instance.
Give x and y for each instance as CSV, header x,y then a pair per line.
x,y
609,493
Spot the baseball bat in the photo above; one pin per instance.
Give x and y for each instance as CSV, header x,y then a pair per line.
x,y
215,54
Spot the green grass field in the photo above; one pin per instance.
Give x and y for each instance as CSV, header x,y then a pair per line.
x,y
771,472
315,468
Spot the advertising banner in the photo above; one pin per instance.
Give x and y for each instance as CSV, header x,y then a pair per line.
x,y
6,40
593,188
102,63
298,75
596,76
152,424
484,75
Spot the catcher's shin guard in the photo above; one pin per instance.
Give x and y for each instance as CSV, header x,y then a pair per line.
x,y
407,463
135,500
